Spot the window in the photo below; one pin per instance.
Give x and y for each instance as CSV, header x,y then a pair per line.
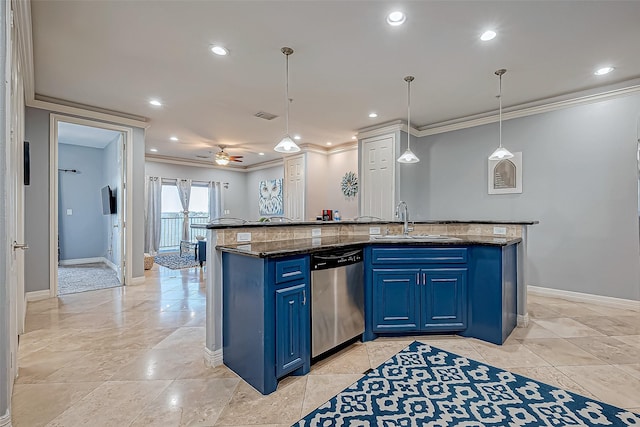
x,y
172,217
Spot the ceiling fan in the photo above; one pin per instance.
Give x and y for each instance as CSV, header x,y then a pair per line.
x,y
223,158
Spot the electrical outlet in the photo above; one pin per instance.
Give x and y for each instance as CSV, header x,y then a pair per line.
x,y
316,241
316,232
227,211
69,211
374,230
500,230
243,237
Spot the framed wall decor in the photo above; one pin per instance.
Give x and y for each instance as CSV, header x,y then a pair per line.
x,y
505,176
349,184
270,201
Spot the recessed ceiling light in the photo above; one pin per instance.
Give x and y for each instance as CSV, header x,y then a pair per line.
x,y
372,115
296,137
153,150
260,154
354,137
155,103
219,50
328,142
488,35
604,70
174,138
396,18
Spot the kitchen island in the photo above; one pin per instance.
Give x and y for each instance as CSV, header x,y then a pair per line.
x,y
258,312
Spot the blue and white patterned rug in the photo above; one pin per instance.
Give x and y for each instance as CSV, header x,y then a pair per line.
x,y
176,262
423,385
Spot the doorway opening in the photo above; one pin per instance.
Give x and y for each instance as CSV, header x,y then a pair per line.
x,y
89,205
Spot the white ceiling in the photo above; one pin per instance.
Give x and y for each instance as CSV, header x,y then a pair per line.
x,y
348,62
87,136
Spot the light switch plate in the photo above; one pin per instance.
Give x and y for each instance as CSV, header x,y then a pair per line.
x,y
69,211
243,237
227,211
374,230
316,232
500,230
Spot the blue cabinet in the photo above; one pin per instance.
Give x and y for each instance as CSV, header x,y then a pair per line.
x,y
266,318
291,328
443,295
396,300
417,289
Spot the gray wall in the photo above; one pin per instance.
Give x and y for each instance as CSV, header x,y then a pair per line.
x,y
82,234
252,190
5,355
234,198
337,165
580,180
37,202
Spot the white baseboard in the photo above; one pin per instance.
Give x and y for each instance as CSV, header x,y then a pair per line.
x,y
110,264
523,320
212,358
627,304
78,261
137,280
5,420
37,296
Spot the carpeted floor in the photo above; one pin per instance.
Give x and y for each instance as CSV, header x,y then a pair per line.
x,y
176,262
85,277
423,385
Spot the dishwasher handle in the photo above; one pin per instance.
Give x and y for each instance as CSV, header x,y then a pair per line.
x,y
337,256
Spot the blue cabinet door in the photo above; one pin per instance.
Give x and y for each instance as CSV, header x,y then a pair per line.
x,y
396,300
444,299
291,328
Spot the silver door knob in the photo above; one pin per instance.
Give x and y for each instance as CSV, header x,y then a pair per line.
x,y
17,245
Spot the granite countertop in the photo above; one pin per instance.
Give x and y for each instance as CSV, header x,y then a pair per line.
x,y
299,223
307,246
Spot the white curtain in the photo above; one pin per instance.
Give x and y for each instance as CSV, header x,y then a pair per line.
x,y
184,192
152,214
215,200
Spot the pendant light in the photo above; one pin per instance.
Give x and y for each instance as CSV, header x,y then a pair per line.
x,y
286,145
501,152
408,156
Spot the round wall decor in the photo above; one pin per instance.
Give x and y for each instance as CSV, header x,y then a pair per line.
x,y
350,184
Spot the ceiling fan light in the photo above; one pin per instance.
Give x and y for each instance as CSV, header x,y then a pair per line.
x,y
222,161
501,153
286,145
408,157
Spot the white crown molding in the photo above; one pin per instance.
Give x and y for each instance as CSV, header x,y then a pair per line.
x,y
24,44
113,117
213,358
37,296
265,165
137,280
530,109
209,165
626,304
384,128
344,147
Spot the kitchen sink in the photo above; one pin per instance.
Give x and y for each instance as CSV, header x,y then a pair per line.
x,y
420,237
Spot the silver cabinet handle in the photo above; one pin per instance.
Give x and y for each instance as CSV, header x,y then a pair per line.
x,y
424,278
304,297
418,278
17,245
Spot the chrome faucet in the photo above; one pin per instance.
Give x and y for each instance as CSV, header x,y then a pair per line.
x,y
405,217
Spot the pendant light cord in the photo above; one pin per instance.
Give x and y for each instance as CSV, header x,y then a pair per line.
x,y
286,100
409,115
500,102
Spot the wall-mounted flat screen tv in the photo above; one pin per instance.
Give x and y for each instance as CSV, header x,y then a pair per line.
x,y
108,201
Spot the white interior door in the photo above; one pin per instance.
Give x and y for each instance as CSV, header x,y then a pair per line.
x,y
295,187
378,177
119,231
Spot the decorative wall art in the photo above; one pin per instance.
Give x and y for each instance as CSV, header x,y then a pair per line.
x,y
270,197
505,176
349,184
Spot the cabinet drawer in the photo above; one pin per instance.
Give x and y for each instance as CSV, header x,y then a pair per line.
x,y
291,269
418,255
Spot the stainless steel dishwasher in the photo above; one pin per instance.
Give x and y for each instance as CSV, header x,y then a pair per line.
x,y
337,298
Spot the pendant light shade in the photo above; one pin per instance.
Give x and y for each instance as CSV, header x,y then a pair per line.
x,y
286,145
501,152
408,156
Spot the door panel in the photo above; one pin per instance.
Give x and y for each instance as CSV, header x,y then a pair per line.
x,y
290,328
444,296
396,300
378,177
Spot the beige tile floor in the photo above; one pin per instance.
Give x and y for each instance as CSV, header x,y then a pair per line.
x,y
134,357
